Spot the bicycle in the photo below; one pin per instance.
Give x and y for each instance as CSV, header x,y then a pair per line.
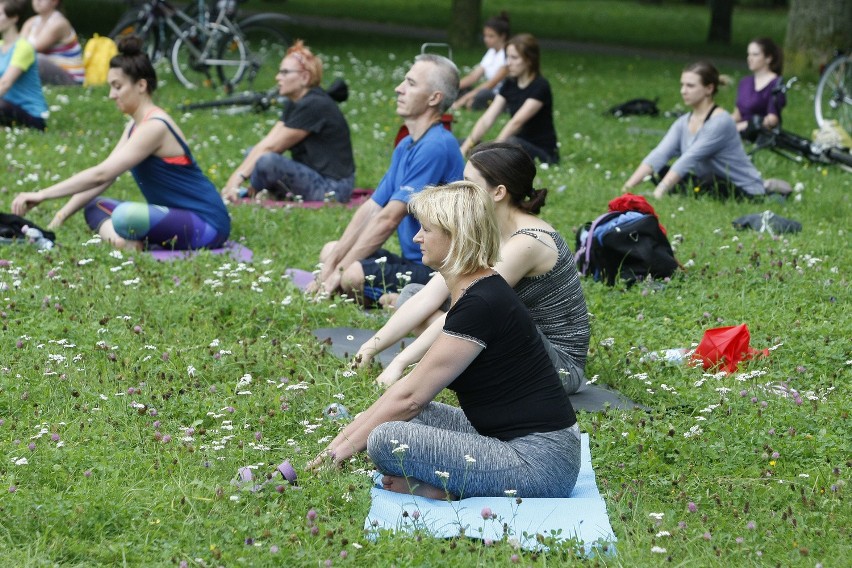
x,y
260,101
200,41
792,146
833,99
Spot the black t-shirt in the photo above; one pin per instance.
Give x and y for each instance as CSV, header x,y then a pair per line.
x,y
511,389
328,148
539,129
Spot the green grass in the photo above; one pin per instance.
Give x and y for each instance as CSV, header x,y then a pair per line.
x,y
71,352
671,26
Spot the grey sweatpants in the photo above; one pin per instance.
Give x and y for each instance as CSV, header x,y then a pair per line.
x,y
441,439
281,176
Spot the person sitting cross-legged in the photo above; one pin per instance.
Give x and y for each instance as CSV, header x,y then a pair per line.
x,y
710,158
182,209
21,99
355,263
313,129
516,428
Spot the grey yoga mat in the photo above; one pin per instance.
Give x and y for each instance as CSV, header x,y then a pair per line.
x,y
344,342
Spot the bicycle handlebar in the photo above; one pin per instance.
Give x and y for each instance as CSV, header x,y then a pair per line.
x,y
782,88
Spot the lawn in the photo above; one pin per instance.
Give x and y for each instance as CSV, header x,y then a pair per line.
x,y
675,26
131,391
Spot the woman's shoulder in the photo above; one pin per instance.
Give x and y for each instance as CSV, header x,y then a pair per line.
x,y
529,224
29,23
23,47
720,115
747,82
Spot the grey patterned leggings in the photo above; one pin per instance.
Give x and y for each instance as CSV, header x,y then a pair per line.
x,y
441,439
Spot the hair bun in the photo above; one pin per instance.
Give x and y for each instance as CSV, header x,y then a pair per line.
x,y
130,45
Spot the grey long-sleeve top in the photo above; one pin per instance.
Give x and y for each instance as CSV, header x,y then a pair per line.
x,y
714,150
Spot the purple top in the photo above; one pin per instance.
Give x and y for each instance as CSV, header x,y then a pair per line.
x,y
751,102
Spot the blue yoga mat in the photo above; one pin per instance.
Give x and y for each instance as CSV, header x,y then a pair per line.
x,y
581,516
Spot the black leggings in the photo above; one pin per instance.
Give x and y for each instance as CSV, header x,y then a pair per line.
x,y
13,115
712,185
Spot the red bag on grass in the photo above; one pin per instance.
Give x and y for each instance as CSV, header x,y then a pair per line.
x,y
725,347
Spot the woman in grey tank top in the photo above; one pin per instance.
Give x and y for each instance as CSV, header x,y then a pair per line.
x,y
535,261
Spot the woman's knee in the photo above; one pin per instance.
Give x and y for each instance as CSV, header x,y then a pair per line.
x,y
352,279
382,442
131,220
98,210
270,167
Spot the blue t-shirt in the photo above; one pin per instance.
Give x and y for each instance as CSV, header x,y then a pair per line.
x,y
26,91
434,159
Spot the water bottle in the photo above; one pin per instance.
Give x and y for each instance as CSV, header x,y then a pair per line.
x,y
36,237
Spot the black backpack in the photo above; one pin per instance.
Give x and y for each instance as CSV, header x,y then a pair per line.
x,y
628,244
635,107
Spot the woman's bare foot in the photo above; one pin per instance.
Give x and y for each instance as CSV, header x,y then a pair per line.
x,y
411,486
388,301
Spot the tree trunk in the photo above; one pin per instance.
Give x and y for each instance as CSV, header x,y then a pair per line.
x,y
721,17
464,26
815,29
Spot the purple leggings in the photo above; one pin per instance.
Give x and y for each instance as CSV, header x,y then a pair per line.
x,y
170,228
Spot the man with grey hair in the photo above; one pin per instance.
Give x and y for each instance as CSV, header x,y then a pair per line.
x,y
356,264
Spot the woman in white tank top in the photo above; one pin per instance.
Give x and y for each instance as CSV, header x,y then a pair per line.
x,y
60,58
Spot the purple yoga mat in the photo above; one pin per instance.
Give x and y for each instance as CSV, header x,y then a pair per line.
x,y
301,278
235,250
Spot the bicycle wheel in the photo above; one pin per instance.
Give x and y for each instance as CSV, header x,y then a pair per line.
x,y
200,51
267,44
140,22
838,156
834,93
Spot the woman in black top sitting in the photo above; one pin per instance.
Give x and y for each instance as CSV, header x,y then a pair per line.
x,y
527,97
314,130
516,429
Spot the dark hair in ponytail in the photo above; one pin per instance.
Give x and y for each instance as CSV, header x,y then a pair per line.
x,y
507,164
134,62
500,24
771,50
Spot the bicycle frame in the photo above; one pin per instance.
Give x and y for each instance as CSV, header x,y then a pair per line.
x,y
163,15
795,147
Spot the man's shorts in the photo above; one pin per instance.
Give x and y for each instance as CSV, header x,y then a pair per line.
x,y
386,272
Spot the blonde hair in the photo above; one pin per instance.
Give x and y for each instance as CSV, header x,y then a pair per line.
x,y
465,212
310,62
